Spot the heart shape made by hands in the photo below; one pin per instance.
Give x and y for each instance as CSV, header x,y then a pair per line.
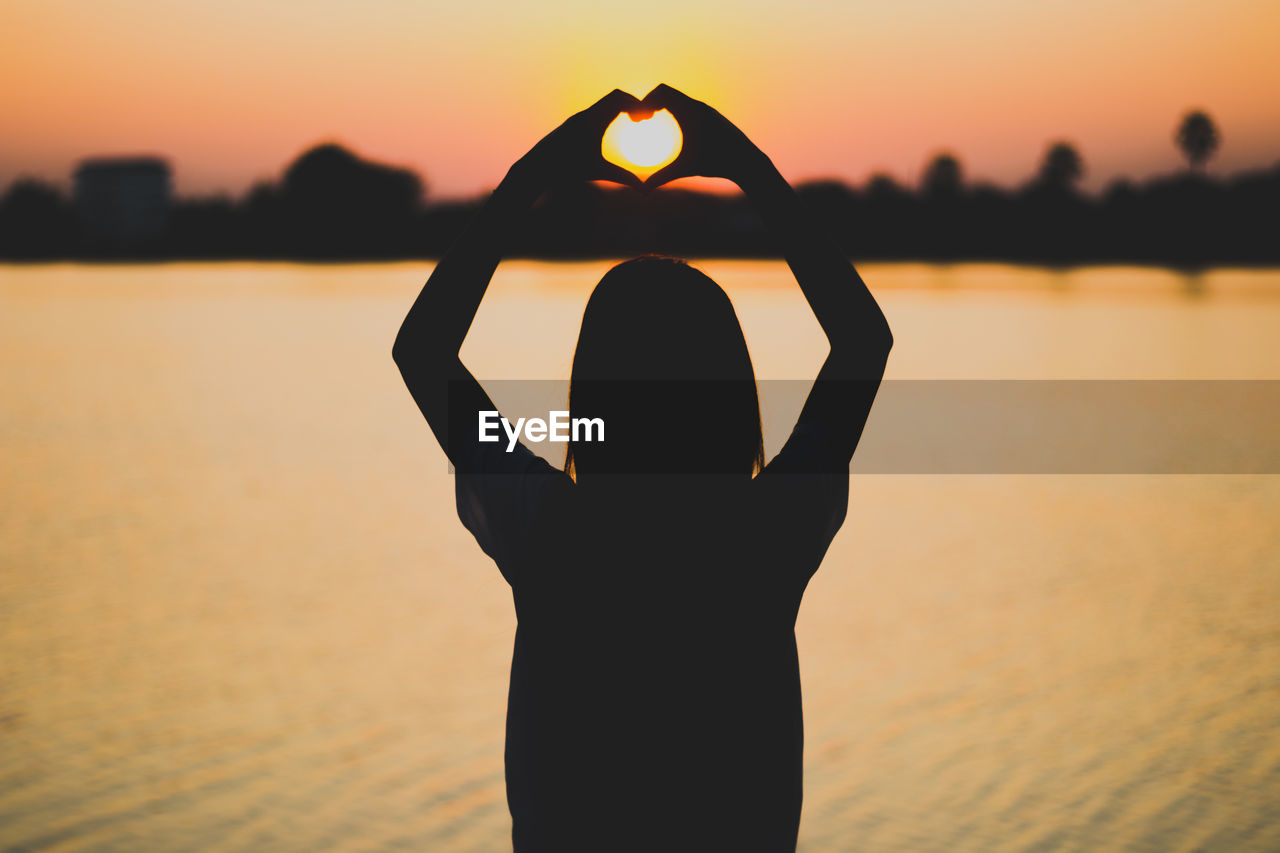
x,y
642,147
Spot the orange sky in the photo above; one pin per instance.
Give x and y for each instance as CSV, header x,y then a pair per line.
x,y
231,90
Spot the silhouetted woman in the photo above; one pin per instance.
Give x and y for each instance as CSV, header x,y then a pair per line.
x,y
655,689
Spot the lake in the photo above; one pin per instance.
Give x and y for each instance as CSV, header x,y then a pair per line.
x,y
238,611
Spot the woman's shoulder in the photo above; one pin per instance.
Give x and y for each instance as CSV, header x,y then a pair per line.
x,y
812,449
805,487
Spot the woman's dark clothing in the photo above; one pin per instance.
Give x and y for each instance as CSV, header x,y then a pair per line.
x,y
655,688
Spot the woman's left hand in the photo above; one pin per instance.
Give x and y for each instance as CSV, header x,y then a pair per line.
x,y
572,152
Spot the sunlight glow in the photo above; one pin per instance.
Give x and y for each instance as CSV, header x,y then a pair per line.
x,y
642,147
828,90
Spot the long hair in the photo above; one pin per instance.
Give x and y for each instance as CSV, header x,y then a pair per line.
x,y
661,359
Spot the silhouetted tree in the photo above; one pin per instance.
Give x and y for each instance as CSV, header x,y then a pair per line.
x,y
35,221
942,177
1197,138
260,210
826,197
1053,223
206,228
832,204
886,227
1121,189
1124,225
332,203
882,186
1062,167
939,228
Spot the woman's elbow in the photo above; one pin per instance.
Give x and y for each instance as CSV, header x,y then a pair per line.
x,y
409,356
413,348
870,342
399,351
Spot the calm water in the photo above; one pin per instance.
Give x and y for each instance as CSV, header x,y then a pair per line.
x,y
237,610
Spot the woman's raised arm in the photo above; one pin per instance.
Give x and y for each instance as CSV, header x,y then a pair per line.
x,y
855,326
427,347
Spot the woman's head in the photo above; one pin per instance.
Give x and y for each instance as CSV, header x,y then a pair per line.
x,y
662,359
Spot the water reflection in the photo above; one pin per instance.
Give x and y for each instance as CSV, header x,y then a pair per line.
x,y
237,605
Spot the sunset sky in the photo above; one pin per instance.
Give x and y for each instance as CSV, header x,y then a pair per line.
x,y
232,90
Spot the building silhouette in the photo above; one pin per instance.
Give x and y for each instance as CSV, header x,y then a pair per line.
x,y
123,203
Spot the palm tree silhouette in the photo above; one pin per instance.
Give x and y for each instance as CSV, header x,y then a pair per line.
x,y
943,177
1062,167
1197,138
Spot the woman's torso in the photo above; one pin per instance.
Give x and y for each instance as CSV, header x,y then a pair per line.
x,y
655,692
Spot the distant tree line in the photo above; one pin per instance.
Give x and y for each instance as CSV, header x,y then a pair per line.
x,y
332,205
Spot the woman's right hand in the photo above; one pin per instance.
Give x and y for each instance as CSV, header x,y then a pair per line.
x,y
713,146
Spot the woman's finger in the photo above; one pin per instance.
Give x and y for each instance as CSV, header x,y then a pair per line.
x,y
607,171
666,174
667,97
607,108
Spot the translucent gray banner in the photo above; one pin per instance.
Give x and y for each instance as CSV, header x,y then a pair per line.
x,y
1016,426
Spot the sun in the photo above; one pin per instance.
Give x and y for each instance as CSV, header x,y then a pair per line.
x,y
642,147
